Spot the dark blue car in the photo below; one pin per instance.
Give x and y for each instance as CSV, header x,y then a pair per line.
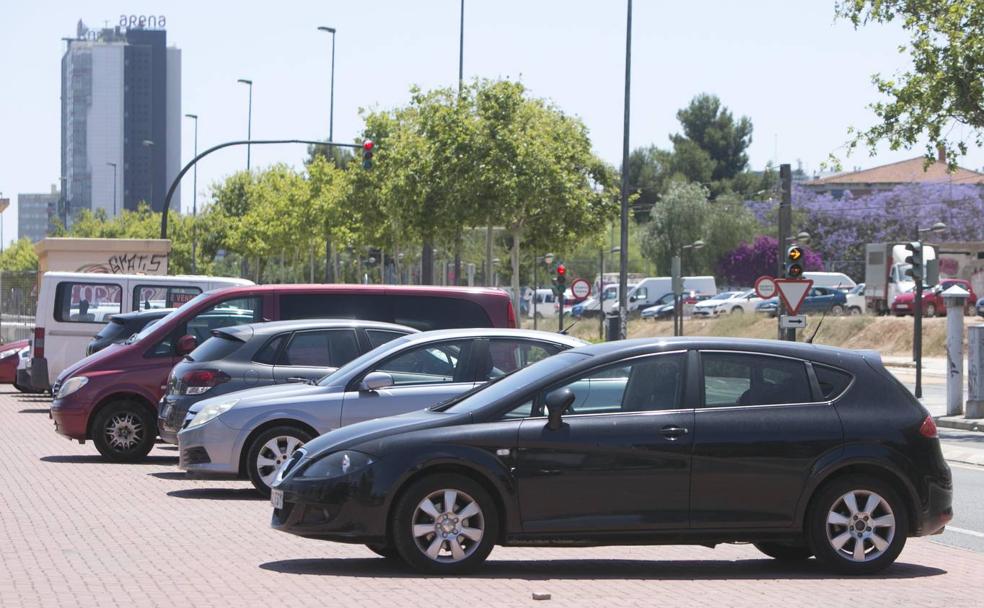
x,y
820,299
980,307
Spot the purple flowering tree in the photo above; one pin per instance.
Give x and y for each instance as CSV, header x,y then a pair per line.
x,y
748,261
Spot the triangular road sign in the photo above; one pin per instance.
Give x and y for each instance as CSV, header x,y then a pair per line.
x,y
793,292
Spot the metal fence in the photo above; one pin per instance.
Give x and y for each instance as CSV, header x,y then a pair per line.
x,y
18,303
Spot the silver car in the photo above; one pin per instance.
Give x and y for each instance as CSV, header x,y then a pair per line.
x,y
250,433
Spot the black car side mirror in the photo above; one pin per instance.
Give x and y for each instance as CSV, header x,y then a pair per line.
x,y
557,403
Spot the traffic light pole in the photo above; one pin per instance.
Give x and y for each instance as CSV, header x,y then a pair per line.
x,y
560,299
785,227
917,333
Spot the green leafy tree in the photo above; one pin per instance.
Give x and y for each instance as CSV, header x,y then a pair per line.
x,y
945,85
677,220
712,128
20,256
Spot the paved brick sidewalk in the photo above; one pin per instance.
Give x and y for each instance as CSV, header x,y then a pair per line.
x,y
75,531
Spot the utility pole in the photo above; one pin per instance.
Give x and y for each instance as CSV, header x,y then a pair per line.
x,y
785,227
623,266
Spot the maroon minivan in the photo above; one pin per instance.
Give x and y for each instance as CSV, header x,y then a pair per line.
x,y
111,397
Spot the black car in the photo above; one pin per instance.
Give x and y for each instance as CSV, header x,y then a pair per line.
x,y
803,450
260,354
122,326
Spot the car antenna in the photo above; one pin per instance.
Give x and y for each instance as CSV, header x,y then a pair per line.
x,y
819,323
566,329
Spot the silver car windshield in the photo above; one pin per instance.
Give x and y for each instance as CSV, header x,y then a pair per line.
x,y
356,365
515,383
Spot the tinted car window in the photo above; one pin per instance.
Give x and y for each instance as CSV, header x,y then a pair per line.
x,y
426,313
832,381
431,364
509,355
236,311
741,379
369,307
330,348
114,330
215,348
268,354
378,337
87,302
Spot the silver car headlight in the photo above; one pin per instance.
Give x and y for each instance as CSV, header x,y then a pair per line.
x,y
71,385
336,464
211,411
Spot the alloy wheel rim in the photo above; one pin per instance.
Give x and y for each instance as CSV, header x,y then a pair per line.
x,y
860,526
448,526
124,431
274,454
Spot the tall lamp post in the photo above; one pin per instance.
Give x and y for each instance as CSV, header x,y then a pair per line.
x,y
623,265
149,144
678,304
938,228
329,267
113,165
249,118
194,201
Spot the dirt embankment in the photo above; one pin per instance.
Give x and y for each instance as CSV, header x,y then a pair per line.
x,y
888,335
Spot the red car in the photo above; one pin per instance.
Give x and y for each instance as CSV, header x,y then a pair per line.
x,y
111,397
932,300
9,356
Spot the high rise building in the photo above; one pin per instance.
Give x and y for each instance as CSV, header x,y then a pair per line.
x,y
121,116
35,214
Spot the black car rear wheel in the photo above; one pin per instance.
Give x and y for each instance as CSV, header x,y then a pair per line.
x,y
124,431
445,524
785,552
857,525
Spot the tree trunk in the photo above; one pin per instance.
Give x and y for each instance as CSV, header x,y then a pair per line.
x,y
329,271
514,254
427,263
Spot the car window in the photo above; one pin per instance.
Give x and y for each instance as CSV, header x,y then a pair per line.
x,y
215,348
147,297
268,354
322,348
235,311
378,337
87,302
507,355
431,364
832,381
732,379
645,385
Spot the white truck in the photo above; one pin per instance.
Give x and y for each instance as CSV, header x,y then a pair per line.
x,y
884,273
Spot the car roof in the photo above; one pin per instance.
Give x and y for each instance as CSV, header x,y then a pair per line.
x,y
243,332
420,290
495,332
151,313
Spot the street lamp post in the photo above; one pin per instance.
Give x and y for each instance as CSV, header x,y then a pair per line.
x,y
113,165
149,144
678,304
249,118
194,201
329,267
938,228
623,266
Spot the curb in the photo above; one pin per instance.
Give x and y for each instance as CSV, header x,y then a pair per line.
x,y
961,423
963,456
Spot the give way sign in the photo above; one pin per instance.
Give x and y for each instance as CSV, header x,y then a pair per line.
x,y
793,292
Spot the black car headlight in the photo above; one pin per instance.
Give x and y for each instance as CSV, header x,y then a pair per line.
x,y
336,464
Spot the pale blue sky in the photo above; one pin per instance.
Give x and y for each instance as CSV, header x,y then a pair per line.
x,y
800,76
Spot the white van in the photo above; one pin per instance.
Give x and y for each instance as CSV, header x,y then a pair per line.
x,y
833,280
73,307
544,303
651,289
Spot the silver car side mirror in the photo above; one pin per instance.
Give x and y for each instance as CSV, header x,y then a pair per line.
x,y
375,381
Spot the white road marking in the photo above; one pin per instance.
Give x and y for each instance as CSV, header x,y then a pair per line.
x,y
965,531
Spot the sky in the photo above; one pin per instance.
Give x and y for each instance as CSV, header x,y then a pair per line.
x,y
801,76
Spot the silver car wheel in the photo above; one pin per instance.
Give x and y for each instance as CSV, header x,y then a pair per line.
x,y
448,526
860,526
124,431
273,454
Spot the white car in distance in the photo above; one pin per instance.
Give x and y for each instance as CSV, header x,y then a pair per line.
x,y
731,302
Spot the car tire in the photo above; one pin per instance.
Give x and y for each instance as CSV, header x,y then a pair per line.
x,y
785,552
838,514
387,551
422,505
124,431
855,311
274,446
930,310
738,310
837,310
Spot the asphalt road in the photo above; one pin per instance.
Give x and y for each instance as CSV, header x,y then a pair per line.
x,y
967,528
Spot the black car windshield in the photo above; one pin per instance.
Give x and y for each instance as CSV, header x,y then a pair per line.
x,y
515,383
356,365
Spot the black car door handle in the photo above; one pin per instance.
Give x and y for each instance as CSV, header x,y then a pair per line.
x,y
673,432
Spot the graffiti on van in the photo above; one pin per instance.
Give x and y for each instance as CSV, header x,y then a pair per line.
x,y
129,263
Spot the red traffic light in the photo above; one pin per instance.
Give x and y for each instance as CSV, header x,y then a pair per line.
x,y
367,144
561,269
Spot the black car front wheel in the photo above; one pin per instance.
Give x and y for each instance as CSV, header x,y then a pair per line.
x,y
445,524
857,525
124,431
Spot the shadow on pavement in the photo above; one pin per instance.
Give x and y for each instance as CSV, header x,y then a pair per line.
x,y
36,410
218,494
96,458
600,569
170,475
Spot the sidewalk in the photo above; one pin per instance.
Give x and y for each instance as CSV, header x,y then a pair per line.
x,y
934,390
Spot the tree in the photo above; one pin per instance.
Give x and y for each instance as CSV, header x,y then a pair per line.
x,y
677,220
712,128
945,85
649,170
749,261
20,256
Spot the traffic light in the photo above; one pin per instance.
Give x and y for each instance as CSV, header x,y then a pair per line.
x,y
367,147
560,279
917,271
794,262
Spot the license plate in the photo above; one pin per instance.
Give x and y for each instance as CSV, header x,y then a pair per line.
x,y
277,499
904,306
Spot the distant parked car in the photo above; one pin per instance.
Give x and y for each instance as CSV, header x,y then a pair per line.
x,y
932,299
264,354
855,300
664,308
251,433
9,357
820,299
715,305
122,326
